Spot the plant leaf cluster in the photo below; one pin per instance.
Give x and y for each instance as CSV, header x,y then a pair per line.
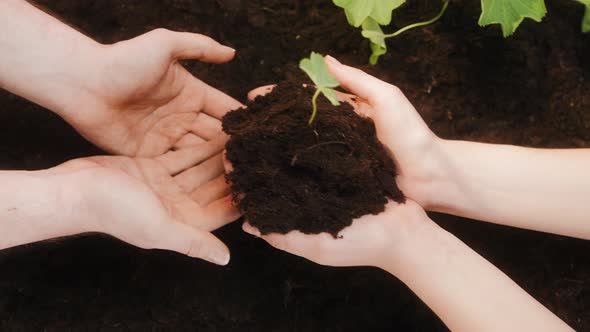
x,y
510,13
370,15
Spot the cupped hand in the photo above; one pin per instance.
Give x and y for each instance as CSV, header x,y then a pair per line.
x,y
373,240
140,101
416,150
376,239
170,202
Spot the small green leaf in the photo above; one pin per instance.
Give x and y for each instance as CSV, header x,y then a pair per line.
x,y
317,70
510,13
372,31
358,10
586,18
330,94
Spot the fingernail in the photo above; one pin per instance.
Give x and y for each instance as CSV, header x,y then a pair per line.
x,y
229,49
331,60
250,230
218,257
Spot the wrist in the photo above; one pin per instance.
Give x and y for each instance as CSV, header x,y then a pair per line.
x,y
33,207
68,190
441,188
78,90
44,60
406,230
464,168
417,253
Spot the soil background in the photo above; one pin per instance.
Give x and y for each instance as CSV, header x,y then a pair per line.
x,y
467,82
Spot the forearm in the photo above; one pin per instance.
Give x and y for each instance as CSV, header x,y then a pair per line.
x,y
42,59
33,207
465,290
544,190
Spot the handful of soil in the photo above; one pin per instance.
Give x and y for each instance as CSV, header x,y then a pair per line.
x,y
288,175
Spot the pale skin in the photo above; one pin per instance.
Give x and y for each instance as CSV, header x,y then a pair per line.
x,y
131,98
138,200
536,189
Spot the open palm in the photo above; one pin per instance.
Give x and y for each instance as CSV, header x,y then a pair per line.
x,y
162,202
142,102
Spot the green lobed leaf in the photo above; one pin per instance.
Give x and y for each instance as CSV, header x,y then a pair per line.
x,y
317,70
357,11
372,31
586,18
510,13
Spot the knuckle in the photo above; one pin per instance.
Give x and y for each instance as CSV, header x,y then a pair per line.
x,y
204,38
160,32
389,93
197,248
395,91
358,72
198,53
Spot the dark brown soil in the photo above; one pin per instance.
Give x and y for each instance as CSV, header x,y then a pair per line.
x,y
467,82
288,175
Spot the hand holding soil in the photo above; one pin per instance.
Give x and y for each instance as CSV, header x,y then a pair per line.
x,y
402,239
415,149
372,238
290,175
309,209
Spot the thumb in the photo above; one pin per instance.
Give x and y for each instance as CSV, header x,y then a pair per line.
x,y
358,82
192,242
187,45
394,115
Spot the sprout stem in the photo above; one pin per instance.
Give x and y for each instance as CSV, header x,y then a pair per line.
x,y
315,106
419,24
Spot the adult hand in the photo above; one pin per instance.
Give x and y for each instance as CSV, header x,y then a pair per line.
x,y
141,101
162,202
131,98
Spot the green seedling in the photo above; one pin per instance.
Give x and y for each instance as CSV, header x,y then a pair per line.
x,y
324,82
372,14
